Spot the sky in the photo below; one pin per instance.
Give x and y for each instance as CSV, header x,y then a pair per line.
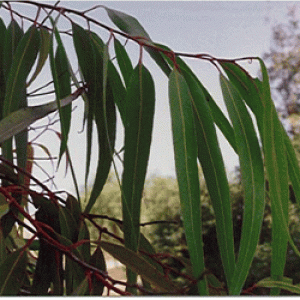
x,y
224,29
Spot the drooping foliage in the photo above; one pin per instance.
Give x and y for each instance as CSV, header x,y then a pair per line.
x,y
59,257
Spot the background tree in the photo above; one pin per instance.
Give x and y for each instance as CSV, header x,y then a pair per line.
x,y
283,63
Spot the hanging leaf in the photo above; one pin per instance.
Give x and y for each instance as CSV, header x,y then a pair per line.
x,y
12,38
185,149
97,260
62,84
252,171
277,174
210,157
43,53
123,61
140,101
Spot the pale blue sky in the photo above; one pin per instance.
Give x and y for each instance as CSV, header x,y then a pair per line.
x,y
223,29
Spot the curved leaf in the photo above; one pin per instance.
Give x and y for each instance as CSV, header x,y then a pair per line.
x,y
277,172
140,101
22,63
139,265
43,53
185,149
62,84
12,38
252,171
123,61
213,167
19,120
285,284
131,26
97,260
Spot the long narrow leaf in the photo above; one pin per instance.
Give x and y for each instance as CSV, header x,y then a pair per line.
x,y
185,149
19,120
139,265
252,172
105,118
277,172
211,160
140,101
123,61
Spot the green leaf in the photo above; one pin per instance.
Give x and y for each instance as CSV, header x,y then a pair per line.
x,y
212,164
68,225
220,120
284,284
131,26
97,260
82,288
105,118
127,23
139,265
13,271
123,61
277,173
43,53
19,120
140,100
185,149
252,171
22,63
12,38
62,84
74,207
91,71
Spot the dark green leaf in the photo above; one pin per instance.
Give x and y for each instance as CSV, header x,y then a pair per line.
x,y
13,270
43,53
123,61
97,260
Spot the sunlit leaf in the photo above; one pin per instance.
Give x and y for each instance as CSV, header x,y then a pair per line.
x,y
286,285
